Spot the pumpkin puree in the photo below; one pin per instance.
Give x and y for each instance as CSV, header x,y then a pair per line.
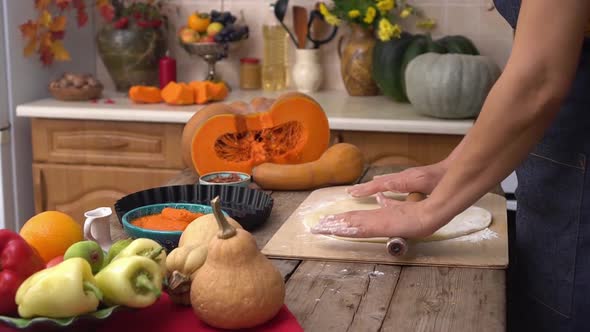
x,y
170,219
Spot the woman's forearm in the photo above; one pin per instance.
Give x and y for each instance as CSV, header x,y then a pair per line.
x,y
489,152
518,109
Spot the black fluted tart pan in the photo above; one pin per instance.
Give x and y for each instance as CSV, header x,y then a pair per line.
x,y
249,207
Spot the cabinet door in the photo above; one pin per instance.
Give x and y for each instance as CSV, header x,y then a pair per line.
x,y
400,149
76,189
137,144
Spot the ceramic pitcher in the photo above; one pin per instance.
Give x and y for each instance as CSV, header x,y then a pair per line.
x,y
307,71
97,227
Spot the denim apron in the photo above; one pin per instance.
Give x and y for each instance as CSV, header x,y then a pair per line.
x,y
550,271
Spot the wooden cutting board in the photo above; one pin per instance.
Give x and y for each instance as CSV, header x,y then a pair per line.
x,y
480,250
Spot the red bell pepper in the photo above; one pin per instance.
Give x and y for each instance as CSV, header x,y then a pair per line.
x,y
18,261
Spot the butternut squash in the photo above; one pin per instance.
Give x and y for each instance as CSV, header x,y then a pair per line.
x,y
342,163
178,94
145,94
291,129
237,287
187,258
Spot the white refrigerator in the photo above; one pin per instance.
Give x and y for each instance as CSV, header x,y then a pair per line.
x,y
6,185
24,80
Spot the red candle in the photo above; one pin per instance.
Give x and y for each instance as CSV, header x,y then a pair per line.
x,y
167,71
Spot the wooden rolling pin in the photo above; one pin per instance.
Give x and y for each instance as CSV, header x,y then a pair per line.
x,y
397,246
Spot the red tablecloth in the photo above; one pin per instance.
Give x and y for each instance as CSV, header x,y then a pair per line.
x,y
164,315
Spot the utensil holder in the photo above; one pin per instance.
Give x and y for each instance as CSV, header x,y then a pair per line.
x,y
307,71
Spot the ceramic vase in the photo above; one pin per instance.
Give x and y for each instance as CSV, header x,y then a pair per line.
x,y
356,61
307,70
131,55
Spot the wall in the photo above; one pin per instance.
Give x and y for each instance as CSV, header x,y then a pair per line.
x,y
472,18
27,81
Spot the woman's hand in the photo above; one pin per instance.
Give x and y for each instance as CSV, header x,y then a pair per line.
x,y
416,179
394,218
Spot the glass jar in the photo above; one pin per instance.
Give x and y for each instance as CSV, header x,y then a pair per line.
x,y
250,75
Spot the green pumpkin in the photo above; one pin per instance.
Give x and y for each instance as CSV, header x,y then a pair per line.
x,y
450,86
391,58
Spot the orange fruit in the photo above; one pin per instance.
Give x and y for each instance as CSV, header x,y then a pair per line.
x,y
199,22
51,233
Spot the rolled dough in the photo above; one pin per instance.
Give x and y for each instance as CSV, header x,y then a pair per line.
x,y
471,220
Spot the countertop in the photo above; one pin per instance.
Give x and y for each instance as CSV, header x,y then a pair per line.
x,y
345,296
378,114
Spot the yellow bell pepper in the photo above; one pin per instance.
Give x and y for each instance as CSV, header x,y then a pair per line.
x,y
116,248
64,290
145,247
133,281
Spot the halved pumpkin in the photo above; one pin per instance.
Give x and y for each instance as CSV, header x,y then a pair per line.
x,y
289,130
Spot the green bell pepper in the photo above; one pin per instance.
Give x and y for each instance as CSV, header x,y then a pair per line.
x,y
133,281
64,290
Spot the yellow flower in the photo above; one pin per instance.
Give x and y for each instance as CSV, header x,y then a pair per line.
x,y
323,9
385,5
354,13
332,20
406,12
329,17
426,24
370,15
397,31
387,30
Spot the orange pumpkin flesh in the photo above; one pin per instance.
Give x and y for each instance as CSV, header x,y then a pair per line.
x,y
195,122
293,130
178,94
145,94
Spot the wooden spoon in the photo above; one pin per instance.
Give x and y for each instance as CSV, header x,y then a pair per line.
x,y
300,23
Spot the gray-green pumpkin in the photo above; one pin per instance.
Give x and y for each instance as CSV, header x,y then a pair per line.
x,y
450,86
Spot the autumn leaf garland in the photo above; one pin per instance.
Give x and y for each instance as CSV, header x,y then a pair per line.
x,y
45,35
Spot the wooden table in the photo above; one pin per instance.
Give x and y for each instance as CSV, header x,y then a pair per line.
x,y
329,296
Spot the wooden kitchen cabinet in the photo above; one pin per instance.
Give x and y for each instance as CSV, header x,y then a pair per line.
x,y
139,144
400,149
81,164
75,189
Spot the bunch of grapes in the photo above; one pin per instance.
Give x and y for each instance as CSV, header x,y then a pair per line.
x,y
231,32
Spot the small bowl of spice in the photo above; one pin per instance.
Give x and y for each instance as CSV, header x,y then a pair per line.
x,y
229,178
